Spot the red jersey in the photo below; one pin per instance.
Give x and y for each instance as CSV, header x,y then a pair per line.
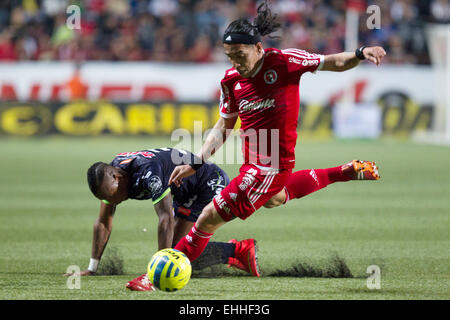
x,y
268,103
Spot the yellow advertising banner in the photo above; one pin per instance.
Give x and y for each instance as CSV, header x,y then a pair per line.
x,y
81,118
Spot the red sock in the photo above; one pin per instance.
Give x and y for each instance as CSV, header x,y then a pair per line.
x,y
193,243
304,182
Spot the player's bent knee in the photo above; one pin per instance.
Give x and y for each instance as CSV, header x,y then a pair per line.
x,y
273,203
276,201
269,204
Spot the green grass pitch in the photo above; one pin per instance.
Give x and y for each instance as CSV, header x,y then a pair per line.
x,y
400,223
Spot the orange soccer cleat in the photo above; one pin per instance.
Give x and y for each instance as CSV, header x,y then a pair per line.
x,y
141,283
245,256
361,170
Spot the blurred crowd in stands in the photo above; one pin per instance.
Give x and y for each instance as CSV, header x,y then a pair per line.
x,y
191,30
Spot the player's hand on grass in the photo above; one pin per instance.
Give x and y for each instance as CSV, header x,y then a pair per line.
x,y
81,273
374,54
179,173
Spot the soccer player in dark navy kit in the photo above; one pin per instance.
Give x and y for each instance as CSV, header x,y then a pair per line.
x,y
144,175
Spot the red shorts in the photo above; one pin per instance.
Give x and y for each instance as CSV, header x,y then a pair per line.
x,y
249,191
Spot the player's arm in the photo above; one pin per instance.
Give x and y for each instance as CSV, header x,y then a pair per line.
x,y
102,231
166,222
214,141
347,60
217,137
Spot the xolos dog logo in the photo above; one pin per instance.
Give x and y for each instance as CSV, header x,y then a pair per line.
x,y
270,76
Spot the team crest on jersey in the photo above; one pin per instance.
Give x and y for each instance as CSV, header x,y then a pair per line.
x,y
155,185
270,76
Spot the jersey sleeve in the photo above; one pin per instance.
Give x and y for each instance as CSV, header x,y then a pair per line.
x,y
300,61
155,182
227,106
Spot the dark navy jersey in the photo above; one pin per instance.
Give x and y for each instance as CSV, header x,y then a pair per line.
x,y
149,172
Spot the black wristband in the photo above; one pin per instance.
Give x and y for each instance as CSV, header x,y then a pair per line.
x,y
195,165
359,53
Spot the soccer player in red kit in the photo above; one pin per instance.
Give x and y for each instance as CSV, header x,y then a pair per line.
x,y
262,89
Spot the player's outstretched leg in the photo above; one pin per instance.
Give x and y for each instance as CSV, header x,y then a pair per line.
x,y
304,182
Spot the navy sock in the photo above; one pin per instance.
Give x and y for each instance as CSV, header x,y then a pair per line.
x,y
214,253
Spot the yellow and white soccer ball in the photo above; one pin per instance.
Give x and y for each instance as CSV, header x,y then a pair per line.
x,y
169,270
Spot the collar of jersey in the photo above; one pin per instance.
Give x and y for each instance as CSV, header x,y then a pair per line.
x,y
259,68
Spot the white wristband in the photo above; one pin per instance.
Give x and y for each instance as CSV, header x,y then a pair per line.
x,y
93,264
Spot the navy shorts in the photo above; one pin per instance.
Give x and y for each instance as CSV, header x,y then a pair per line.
x,y
213,181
